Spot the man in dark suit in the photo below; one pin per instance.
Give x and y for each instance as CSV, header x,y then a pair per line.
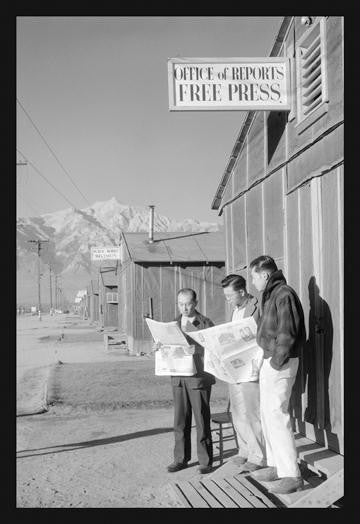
x,y
192,394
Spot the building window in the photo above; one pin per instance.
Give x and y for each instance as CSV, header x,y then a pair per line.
x,y
112,298
311,71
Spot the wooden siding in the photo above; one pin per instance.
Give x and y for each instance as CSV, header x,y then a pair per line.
x,y
228,239
274,216
335,70
239,234
323,154
315,263
254,224
256,150
161,283
332,303
305,168
240,172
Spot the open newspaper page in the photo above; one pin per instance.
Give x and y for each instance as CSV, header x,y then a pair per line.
x,y
231,351
175,355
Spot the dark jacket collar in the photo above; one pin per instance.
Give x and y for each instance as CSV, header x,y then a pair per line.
x,y
250,306
277,278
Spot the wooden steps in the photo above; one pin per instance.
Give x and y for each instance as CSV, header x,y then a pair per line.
x,y
226,487
317,457
229,492
115,339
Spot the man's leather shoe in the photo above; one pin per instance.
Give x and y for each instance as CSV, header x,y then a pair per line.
x,y
249,467
176,466
266,474
238,460
287,485
205,469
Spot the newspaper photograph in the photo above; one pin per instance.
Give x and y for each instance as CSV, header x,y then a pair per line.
x,y
174,360
231,351
174,357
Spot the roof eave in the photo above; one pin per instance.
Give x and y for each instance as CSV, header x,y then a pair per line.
x,y
247,122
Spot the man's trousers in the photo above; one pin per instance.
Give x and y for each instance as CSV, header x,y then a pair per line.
x,y
187,400
245,412
275,391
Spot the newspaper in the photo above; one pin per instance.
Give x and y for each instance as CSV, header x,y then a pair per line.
x,y
231,352
174,357
167,333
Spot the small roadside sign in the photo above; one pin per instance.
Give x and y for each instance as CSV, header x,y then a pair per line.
x,y
105,253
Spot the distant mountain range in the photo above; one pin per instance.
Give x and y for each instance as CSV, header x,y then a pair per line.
x,y
72,233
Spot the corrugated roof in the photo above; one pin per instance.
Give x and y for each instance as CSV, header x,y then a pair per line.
x,y
109,276
176,247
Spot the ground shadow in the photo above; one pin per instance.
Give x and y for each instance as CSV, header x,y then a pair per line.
x,y
73,446
314,370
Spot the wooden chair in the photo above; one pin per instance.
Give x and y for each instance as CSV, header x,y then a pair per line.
x,y
224,421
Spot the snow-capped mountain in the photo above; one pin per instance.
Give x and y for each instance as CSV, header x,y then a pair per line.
x,y
71,234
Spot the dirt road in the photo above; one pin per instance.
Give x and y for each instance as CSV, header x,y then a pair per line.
x,y
69,458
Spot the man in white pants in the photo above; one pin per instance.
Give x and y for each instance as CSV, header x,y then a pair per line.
x,y
245,396
281,335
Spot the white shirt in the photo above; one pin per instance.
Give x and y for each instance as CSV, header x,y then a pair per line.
x,y
238,313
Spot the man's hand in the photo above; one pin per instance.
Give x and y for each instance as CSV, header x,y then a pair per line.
x,y
189,350
156,346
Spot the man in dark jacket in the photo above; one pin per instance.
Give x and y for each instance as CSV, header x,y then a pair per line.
x,y
245,396
281,335
192,394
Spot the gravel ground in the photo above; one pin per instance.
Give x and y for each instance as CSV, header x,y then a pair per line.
x,y
75,457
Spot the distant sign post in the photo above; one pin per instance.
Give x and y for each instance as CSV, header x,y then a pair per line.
x,y
229,84
105,253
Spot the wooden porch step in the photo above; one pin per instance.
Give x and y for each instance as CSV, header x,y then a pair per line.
x,y
228,488
229,492
242,491
115,338
318,457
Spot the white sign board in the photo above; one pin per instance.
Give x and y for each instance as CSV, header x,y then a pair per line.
x,y
228,84
105,253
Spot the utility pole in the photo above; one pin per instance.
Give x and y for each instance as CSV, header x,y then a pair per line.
x,y
39,247
51,303
56,291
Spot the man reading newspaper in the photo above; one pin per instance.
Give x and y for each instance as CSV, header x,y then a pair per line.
x,y
232,355
191,394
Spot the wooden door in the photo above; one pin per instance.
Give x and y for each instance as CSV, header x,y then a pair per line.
x,y
314,270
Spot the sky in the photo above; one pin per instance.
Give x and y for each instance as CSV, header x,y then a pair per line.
x,y
96,88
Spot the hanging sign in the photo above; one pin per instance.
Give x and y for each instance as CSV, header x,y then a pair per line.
x,y
105,253
229,84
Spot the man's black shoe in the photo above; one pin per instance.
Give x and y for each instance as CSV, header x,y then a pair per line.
x,y
176,466
205,469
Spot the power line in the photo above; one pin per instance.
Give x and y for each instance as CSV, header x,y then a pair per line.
x,y
44,177
52,151
62,167
72,205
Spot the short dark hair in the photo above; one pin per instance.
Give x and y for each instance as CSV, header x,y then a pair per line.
x,y
236,281
187,291
263,263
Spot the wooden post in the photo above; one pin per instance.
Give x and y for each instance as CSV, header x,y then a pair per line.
x,y
151,311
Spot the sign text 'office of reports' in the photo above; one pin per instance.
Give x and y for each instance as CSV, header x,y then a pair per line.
x,y
228,84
